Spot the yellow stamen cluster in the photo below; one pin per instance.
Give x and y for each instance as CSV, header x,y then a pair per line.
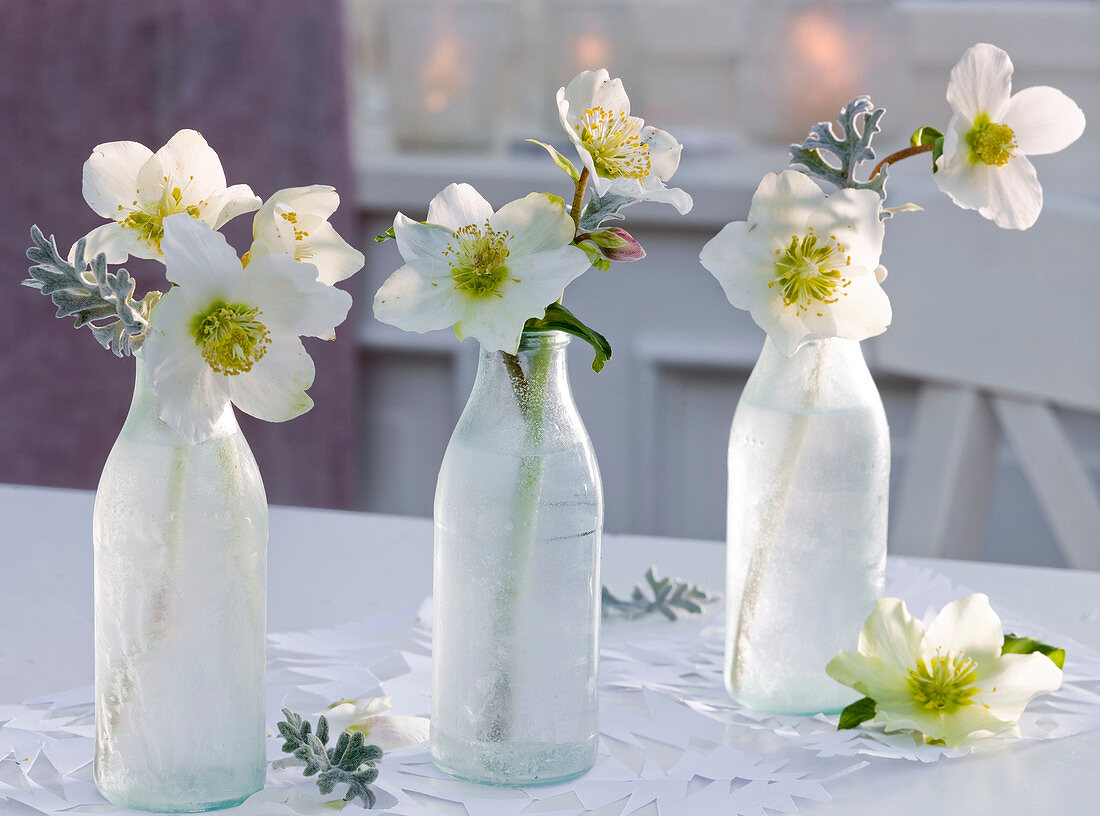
x,y
292,219
615,142
945,686
477,259
809,271
990,142
230,337
150,222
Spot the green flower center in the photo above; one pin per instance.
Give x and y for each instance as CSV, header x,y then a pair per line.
x,y
615,142
945,686
150,222
990,142
230,337
477,259
808,271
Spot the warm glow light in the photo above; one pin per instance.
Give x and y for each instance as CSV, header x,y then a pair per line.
x,y
822,71
591,52
444,75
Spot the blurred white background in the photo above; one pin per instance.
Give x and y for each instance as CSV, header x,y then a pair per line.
x,y
990,372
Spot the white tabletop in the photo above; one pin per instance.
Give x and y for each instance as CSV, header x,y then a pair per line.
x,y
356,564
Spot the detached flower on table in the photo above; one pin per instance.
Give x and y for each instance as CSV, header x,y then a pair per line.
x,y
369,716
984,165
622,154
951,683
226,333
805,265
137,189
482,272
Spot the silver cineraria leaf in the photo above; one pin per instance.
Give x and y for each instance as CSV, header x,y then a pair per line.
x,y
91,294
858,122
671,597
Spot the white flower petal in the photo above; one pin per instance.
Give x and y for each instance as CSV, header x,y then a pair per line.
x,y
416,240
457,206
225,206
321,200
191,164
114,240
862,308
1015,196
496,323
275,389
590,89
1019,679
737,256
854,218
292,299
783,202
1043,120
390,731
190,398
981,82
660,194
542,277
786,327
892,635
664,152
966,625
110,177
536,222
197,258
335,258
870,676
412,301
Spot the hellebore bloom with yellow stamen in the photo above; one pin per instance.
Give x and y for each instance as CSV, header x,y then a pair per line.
x,y
137,189
950,683
294,222
623,154
805,265
369,715
482,272
225,333
984,165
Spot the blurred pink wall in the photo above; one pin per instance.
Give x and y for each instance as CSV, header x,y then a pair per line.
x,y
263,81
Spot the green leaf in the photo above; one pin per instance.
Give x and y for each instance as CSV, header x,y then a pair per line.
x,y
937,151
558,318
560,160
924,136
601,208
385,236
858,122
1025,645
669,595
858,712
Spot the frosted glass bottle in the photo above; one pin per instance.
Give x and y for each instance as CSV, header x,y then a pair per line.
x,y
518,522
180,535
809,468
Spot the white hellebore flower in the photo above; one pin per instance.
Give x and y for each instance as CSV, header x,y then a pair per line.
x,y
294,222
368,715
984,165
137,189
483,273
623,154
225,333
951,682
805,265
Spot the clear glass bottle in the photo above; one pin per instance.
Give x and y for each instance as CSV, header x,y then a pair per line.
x,y
518,522
809,469
180,535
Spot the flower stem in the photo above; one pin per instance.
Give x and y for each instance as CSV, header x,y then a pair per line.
x,y
916,150
530,393
578,199
771,525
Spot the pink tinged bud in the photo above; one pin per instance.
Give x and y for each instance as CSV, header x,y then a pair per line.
x,y
615,244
